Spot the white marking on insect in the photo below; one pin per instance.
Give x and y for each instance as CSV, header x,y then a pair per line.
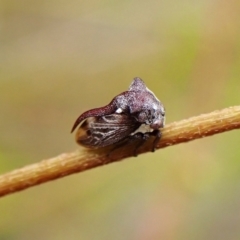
x,y
155,107
119,110
143,129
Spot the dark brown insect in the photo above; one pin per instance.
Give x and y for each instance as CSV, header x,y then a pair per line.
x,y
133,114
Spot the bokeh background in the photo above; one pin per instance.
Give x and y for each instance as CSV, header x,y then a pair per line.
x,y
60,58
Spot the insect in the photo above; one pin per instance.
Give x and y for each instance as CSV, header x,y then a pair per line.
x,y
133,114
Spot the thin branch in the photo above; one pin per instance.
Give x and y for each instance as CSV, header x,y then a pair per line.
x,y
84,159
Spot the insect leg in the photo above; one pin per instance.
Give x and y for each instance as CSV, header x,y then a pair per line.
x,y
157,134
144,136
128,140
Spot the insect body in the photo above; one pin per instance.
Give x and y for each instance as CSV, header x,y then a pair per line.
x,y
133,114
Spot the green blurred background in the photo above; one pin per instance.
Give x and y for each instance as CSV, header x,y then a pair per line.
x,y
60,58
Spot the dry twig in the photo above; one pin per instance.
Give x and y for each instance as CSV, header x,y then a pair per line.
x,y
84,159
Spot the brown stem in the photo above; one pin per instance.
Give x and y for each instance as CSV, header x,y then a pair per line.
x,y
84,159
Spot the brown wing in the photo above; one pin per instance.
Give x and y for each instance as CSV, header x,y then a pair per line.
x,y
96,132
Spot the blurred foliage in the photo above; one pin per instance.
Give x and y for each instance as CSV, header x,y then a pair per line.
x,y
59,58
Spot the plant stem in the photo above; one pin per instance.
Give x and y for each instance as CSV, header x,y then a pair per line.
x,y
83,159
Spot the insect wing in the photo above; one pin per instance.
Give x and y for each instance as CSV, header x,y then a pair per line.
x,y
105,130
